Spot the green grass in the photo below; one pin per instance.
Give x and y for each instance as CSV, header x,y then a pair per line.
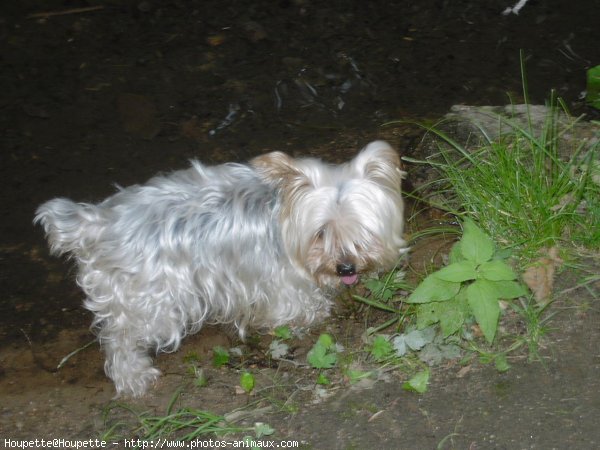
x,y
518,187
182,424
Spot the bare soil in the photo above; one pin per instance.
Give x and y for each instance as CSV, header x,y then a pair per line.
x,y
116,93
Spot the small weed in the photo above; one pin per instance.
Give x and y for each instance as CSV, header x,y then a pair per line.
x,y
383,296
536,320
384,289
220,356
323,355
418,383
593,87
283,332
381,349
322,379
471,285
200,379
247,382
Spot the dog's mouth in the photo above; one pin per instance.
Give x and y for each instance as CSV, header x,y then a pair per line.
x,y
349,280
347,273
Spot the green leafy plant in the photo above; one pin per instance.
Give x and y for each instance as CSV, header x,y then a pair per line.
x,y
247,382
283,332
277,348
220,356
382,296
471,285
381,348
385,287
200,379
593,87
323,355
418,382
536,319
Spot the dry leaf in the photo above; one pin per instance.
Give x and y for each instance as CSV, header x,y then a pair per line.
x,y
540,276
463,371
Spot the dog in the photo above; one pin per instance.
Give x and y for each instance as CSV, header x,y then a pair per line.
x,y
251,245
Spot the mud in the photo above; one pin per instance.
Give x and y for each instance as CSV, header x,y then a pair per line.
x,y
116,93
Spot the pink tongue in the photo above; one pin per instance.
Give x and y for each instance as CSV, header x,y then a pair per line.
x,y
349,279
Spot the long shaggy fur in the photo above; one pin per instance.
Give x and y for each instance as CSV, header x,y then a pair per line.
x,y
255,245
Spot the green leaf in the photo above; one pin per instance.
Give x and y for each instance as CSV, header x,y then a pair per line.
x,y
321,356
379,289
458,272
455,254
325,340
432,289
283,332
593,87
508,289
381,348
220,356
453,313
475,245
418,383
501,363
496,270
484,304
247,382
323,380
427,314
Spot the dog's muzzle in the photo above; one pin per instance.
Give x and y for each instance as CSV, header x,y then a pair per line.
x,y
347,273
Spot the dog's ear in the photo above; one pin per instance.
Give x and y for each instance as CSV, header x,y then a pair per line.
x,y
276,167
379,161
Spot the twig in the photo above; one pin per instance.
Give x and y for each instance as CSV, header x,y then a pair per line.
x,y
515,9
73,353
45,15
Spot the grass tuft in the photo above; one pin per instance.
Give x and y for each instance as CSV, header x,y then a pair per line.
x,y
518,187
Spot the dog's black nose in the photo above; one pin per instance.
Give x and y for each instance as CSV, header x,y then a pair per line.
x,y
345,269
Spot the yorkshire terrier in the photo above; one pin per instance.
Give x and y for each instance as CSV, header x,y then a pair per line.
x,y
254,245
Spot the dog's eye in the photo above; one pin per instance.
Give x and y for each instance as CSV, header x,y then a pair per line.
x,y
320,234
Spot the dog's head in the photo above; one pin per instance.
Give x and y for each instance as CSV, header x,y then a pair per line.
x,y
339,221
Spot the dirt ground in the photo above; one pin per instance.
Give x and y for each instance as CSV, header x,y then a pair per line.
x,y
111,92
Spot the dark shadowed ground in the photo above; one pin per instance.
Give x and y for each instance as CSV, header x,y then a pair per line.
x,y
114,94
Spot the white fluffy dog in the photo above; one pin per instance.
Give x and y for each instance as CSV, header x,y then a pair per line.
x,y
255,245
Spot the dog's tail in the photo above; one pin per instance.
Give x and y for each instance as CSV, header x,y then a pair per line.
x,y
67,224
